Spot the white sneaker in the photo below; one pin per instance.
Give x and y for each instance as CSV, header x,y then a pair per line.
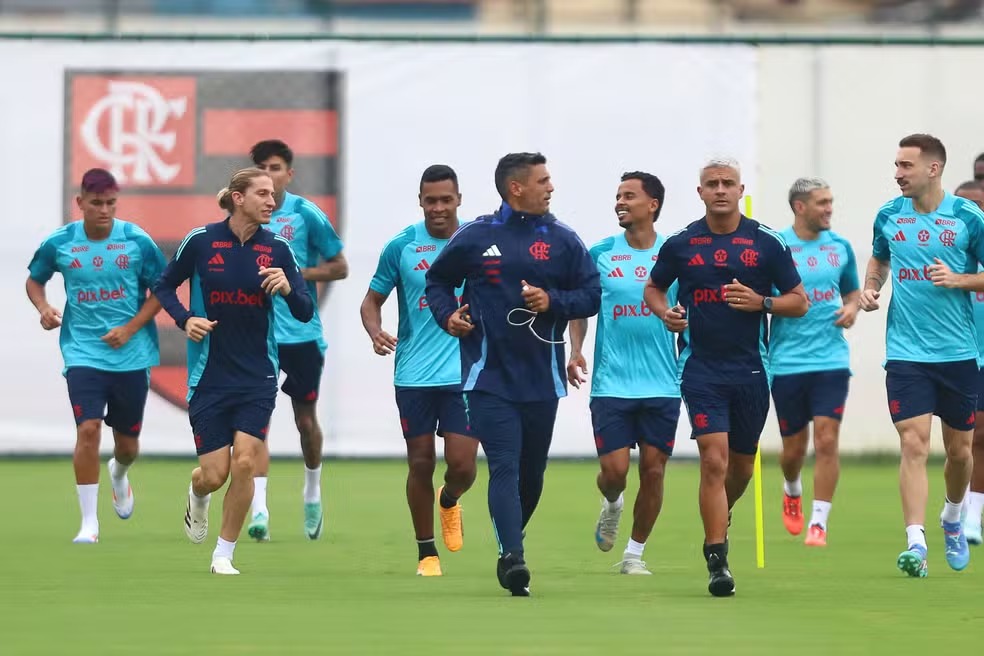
x,y
606,531
973,532
87,536
223,566
633,565
124,507
196,521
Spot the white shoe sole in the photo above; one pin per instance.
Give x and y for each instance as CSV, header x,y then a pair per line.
x,y
223,570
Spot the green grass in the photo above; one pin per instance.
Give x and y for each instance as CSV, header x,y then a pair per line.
x,y
144,589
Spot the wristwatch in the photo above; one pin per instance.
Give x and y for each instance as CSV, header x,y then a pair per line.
x,y
767,304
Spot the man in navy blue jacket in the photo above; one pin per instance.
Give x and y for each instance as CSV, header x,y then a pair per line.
x,y
526,275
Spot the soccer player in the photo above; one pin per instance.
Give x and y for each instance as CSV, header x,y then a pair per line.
x,y
635,397
526,275
930,242
108,338
727,266
974,502
428,368
235,268
300,346
809,357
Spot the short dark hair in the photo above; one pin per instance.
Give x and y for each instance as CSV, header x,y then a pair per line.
x,y
264,150
927,143
510,166
980,158
652,185
98,181
437,173
970,184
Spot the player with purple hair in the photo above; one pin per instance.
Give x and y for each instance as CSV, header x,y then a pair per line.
x,y
108,338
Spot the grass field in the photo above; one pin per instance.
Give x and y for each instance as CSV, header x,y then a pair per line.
x,y
145,589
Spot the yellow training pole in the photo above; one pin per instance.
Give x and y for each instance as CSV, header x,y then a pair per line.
x,y
759,525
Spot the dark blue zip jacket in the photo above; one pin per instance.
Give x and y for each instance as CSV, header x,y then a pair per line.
x,y
240,353
493,255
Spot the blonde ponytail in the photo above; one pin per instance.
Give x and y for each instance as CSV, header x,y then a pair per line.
x,y
224,199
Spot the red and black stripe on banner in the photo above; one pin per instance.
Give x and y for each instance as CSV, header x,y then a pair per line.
x,y
173,139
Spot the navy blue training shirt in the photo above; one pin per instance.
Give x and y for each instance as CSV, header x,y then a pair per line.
x,y
493,255
720,343
240,353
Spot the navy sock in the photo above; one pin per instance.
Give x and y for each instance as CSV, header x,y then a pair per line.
x,y
426,548
446,500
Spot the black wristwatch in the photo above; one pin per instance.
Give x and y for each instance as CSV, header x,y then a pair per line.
x,y
767,304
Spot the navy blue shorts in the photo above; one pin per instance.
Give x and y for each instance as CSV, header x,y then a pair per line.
x,y
801,397
980,391
216,416
303,364
625,423
430,410
738,409
945,389
117,397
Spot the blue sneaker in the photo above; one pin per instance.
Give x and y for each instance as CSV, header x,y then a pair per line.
x,y
912,561
957,551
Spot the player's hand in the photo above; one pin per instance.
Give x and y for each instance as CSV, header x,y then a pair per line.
x,y
675,319
743,298
576,370
118,336
197,327
383,343
50,318
942,275
459,323
275,281
869,300
536,299
846,315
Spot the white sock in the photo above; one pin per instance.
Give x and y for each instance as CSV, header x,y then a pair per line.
x,y
312,484
223,549
88,502
821,509
951,512
616,504
117,476
118,471
793,488
259,495
634,548
916,534
975,506
197,501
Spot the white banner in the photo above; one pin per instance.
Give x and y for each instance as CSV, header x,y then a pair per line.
x,y
595,111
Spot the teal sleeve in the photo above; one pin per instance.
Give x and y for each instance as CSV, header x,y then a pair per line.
x,y
152,260
849,276
879,245
44,264
321,235
973,217
601,248
388,270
